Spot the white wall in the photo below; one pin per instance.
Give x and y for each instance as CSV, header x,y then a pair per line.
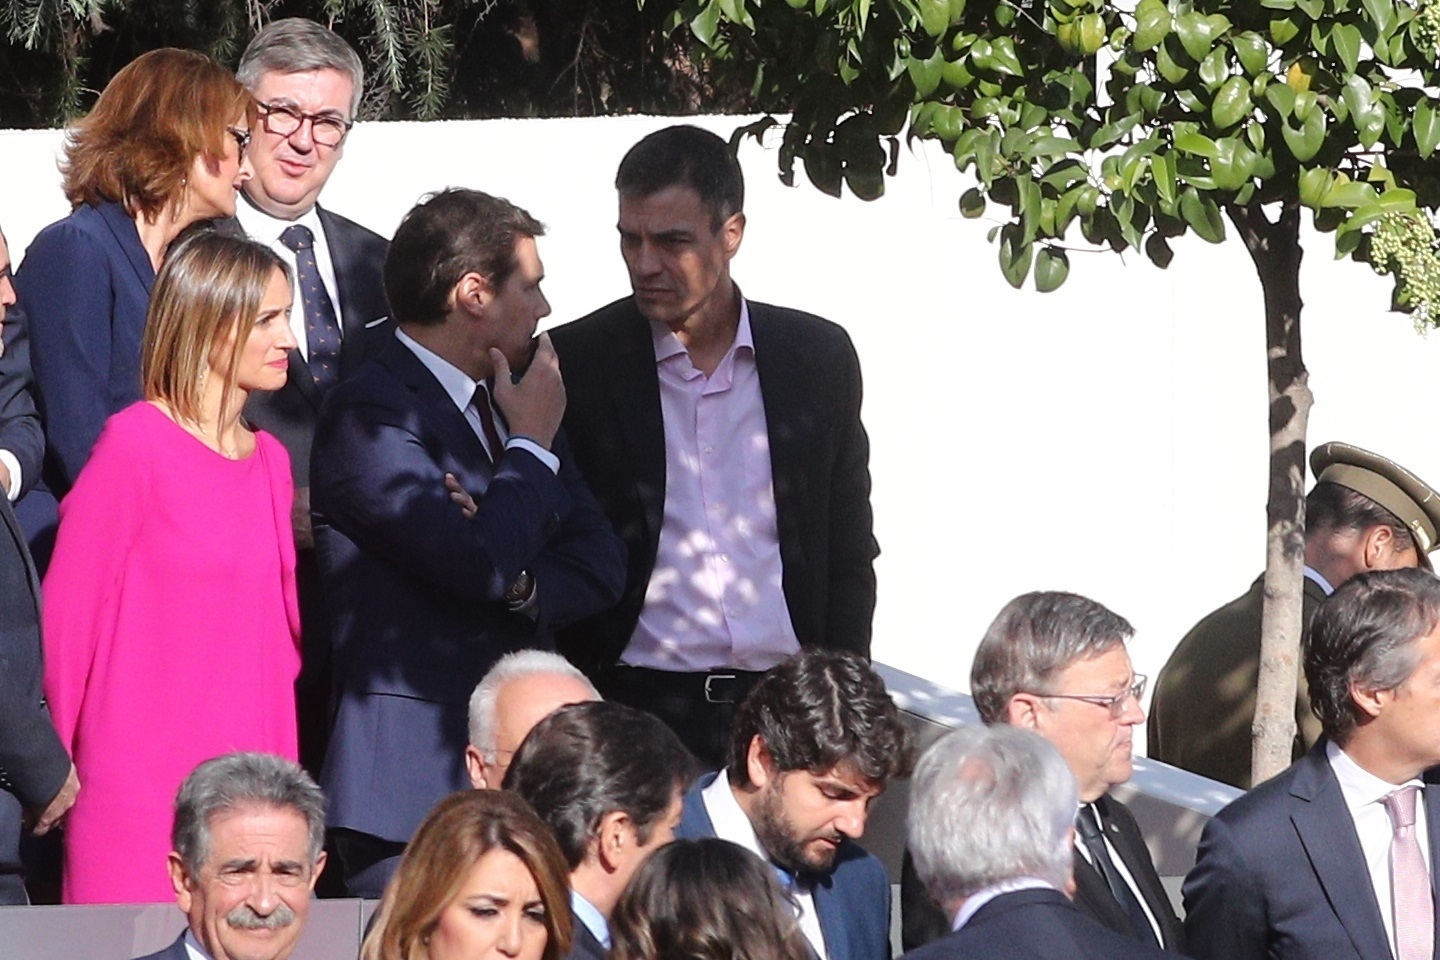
x,y
1109,438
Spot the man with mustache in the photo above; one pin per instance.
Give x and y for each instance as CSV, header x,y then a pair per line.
x,y
248,847
816,740
1056,663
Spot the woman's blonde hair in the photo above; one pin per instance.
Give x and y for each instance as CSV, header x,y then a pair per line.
x,y
136,145
210,287
460,830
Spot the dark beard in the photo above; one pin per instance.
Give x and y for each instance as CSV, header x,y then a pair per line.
x,y
777,835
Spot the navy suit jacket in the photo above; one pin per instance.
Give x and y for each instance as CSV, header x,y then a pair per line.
x,y
20,430
1280,873
290,413
583,945
1034,925
84,288
417,591
852,900
176,951
819,463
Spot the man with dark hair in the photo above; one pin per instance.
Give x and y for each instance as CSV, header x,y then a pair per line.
x,y
990,826
38,782
1056,663
1364,513
247,840
815,741
608,780
723,440
456,529
1334,857
307,82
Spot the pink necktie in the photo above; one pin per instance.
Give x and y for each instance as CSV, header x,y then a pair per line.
x,y
1410,889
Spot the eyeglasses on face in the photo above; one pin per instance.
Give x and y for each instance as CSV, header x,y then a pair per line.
x,y
1116,704
325,129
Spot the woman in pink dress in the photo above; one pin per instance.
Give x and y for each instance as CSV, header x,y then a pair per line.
x,y
171,629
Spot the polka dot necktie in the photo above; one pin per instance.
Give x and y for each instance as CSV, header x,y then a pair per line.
x,y
322,329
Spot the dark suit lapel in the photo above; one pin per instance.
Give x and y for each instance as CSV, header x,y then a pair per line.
x,y
122,227
1117,826
832,911
456,435
1432,827
302,379
12,530
1328,835
1092,895
636,396
787,409
346,264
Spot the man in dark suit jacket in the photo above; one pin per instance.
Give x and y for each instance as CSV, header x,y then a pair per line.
x,y
607,778
1365,512
813,743
248,833
308,82
1056,663
36,775
1324,860
989,826
429,589
723,439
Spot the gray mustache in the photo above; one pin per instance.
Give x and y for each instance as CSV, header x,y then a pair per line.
x,y
244,917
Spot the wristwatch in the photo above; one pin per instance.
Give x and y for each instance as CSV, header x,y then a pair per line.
x,y
521,590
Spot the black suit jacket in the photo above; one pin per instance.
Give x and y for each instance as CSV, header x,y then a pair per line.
x,y
1280,874
583,945
291,412
922,921
1039,924
33,763
20,430
417,591
819,457
176,951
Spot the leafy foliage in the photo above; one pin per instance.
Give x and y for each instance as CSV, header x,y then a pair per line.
x,y
425,59
1134,123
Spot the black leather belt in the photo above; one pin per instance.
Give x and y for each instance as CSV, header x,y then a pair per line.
x,y
713,686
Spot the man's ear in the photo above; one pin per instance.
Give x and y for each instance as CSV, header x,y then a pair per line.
x,y
472,293
475,766
1370,702
614,839
179,879
1023,710
319,869
758,762
1376,543
732,231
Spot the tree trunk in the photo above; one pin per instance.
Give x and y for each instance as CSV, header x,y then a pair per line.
x,y
1275,250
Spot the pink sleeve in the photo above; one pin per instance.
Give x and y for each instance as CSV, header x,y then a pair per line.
x,y
282,487
99,523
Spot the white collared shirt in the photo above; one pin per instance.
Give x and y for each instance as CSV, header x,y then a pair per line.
x,y
1319,578
979,898
1365,795
590,915
262,227
461,390
731,823
193,950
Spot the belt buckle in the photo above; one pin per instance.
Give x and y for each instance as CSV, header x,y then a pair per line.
x,y
712,697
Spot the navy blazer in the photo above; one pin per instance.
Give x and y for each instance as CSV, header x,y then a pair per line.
x,y
852,900
20,430
819,463
290,413
176,951
417,591
583,945
1037,924
1280,873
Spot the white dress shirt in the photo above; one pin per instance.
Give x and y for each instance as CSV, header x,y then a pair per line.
x,y
732,824
262,227
1365,795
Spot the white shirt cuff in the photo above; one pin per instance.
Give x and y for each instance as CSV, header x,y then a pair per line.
x,y
12,492
540,453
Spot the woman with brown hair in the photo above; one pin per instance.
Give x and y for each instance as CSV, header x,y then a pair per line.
x,y
482,879
171,628
164,147
705,900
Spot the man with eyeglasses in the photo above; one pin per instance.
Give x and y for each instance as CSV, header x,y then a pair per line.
x,y
307,82
1056,663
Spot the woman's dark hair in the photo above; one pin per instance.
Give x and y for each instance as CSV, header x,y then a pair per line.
x,y
705,900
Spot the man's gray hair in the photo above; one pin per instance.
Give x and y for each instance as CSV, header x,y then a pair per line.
x,y
1034,637
238,781
512,666
990,804
295,45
